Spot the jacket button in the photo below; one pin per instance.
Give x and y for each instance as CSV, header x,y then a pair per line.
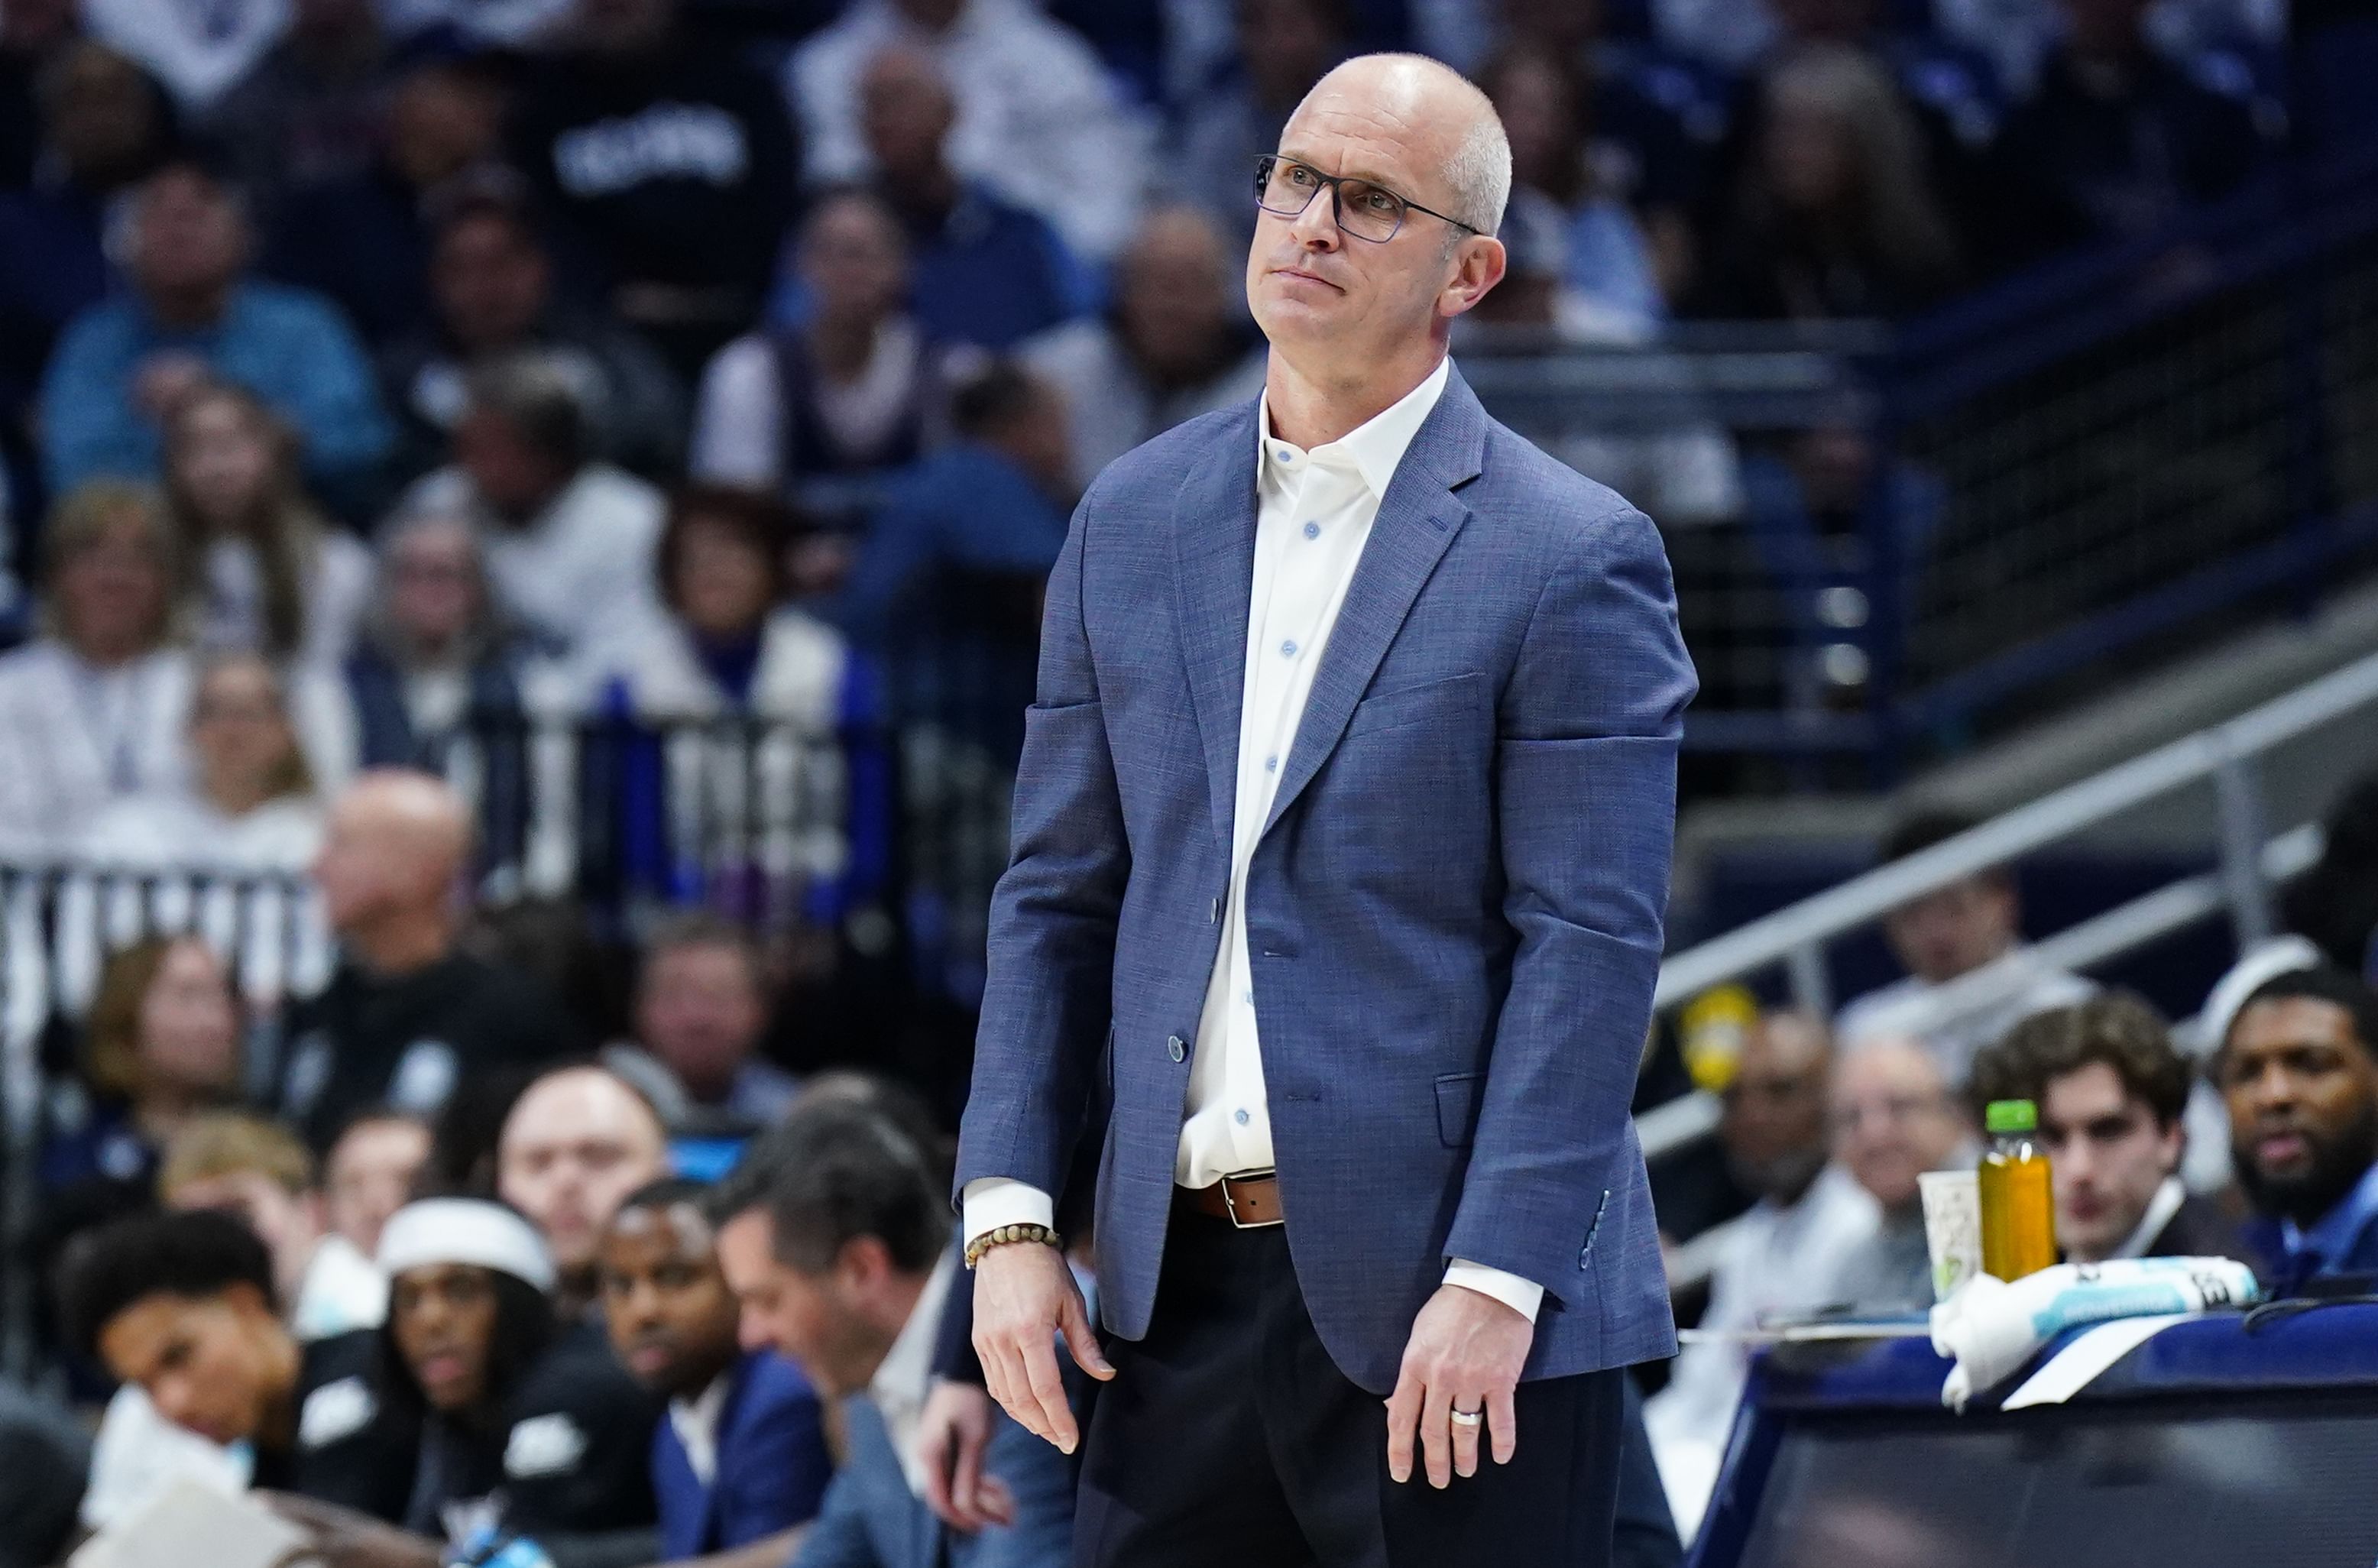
x,y
1174,1049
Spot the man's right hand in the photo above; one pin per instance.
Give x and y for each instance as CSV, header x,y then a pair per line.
x,y
1023,1297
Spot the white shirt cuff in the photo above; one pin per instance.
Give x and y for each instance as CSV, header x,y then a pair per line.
x,y
1522,1296
994,1201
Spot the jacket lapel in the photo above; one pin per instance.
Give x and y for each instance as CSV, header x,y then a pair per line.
x,y
1417,521
1213,576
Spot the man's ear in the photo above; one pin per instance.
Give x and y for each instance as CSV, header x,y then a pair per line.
x,y
864,1263
1479,262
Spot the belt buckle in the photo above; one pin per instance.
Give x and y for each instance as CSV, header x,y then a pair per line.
x,y
1231,1202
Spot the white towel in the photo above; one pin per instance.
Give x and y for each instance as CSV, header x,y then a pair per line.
x,y
1990,1328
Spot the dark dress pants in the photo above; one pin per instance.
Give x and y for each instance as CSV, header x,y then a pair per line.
x,y
1229,1439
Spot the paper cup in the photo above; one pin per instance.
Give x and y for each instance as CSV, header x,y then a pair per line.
x,y
1952,1227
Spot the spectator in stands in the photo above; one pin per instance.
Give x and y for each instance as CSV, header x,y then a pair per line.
x,y
315,109
199,55
1032,99
492,289
702,1007
2118,139
1174,346
103,128
33,33
407,1013
499,27
570,538
673,162
2334,903
257,1171
729,643
370,1174
2299,1072
264,572
833,1234
1833,213
1972,927
161,1044
251,806
1652,120
854,389
94,709
578,1141
528,1431
1283,47
1780,1259
739,1461
437,658
191,314
1893,1118
1604,261
993,504
183,1305
364,241
2111,1092
982,269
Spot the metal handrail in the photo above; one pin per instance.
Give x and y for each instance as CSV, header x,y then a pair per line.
x,y
2252,862
2195,759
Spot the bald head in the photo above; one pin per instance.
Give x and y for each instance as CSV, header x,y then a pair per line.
x,y
905,112
577,1142
392,854
1442,115
1893,1118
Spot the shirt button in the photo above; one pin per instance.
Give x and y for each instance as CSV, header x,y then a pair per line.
x,y
1312,530
1287,454
1240,1116
1288,649
1174,1049
1248,998
1271,764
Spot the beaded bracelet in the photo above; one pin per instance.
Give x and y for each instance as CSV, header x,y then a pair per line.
x,y
1000,1235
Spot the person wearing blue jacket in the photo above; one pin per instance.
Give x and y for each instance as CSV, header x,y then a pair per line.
x,y
739,1461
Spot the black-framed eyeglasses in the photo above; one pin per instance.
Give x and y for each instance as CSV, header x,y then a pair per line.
x,y
1364,208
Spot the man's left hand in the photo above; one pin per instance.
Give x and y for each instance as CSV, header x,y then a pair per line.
x,y
1465,1354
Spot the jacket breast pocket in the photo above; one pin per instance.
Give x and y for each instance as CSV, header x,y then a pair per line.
x,y
1456,1107
1451,698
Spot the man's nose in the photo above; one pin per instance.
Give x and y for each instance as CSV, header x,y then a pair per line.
x,y
1316,227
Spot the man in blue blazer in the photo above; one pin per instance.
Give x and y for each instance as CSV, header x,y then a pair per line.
x,y
833,1234
739,1458
1340,850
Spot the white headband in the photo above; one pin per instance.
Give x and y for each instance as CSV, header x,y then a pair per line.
x,y
2263,964
464,1230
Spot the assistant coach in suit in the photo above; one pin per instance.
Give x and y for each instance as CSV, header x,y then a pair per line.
x,y
1340,849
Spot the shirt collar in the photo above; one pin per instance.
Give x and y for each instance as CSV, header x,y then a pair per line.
x,y
907,1370
1372,448
2160,1208
2330,1236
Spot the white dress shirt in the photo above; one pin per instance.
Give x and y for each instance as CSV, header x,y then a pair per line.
x,y
905,1376
1313,516
695,1421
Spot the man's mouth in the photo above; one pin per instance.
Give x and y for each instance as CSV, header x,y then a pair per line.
x,y
648,1356
1308,277
2281,1149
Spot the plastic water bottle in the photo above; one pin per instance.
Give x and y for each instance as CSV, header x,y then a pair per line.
x,y
2018,1201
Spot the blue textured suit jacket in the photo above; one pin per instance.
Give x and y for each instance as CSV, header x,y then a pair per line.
x,y
1454,914
873,1520
772,1468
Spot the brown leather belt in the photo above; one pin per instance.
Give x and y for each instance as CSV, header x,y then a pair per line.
x,y
1249,1202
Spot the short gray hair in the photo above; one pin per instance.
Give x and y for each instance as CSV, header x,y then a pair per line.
x,y
1481,172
